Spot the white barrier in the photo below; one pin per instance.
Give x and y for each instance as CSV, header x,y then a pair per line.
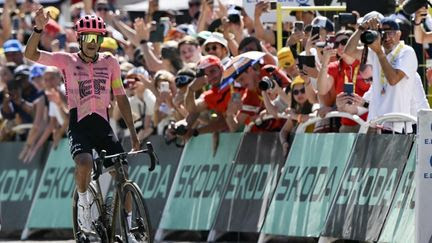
x,y
423,198
390,117
302,127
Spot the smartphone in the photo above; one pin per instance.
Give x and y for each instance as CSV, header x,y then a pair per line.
x,y
347,18
15,23
349,88
298,26
306,60
62,40
315,31
164,86
273,5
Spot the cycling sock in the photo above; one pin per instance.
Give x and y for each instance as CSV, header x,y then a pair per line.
x,y
82,198
129,219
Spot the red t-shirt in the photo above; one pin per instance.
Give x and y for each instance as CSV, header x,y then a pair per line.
x,y
253,104
217,99
338,72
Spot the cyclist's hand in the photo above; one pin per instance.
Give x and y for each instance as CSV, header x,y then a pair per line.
x,y
135,143
40,19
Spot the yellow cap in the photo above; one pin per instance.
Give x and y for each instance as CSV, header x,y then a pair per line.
x,y
297,80
54,12
285,57
109,43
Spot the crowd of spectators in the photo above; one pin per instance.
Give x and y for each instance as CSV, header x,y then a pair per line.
x,y
219,72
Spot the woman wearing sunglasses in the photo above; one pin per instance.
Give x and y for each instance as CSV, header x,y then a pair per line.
x,y
89,78
301,107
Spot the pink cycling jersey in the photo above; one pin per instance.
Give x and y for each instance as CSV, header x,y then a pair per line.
x,y
88,85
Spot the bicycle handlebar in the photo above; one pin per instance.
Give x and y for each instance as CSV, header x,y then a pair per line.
x,y
97,166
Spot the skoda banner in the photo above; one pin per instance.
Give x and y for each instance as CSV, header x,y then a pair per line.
x,y
18,184
399,225
154,185
309,181
199,183
424,178
251,185
368,186
52,207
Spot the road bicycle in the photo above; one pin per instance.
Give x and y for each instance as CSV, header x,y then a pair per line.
x,y
109,217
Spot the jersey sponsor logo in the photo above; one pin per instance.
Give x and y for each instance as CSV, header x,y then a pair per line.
x,y
85,87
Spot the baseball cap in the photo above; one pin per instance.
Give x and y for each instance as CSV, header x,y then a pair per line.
x,y
54,12
293,13
370,15
391,22
137,70
36,71
109,43
285,57
216,37
323,22
297,80
12,45
208,61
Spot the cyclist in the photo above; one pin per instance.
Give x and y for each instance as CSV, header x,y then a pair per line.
x,y
89,78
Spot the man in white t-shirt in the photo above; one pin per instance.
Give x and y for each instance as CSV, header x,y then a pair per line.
x,y
394,71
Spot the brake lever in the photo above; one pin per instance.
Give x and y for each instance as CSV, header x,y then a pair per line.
x,y
153,157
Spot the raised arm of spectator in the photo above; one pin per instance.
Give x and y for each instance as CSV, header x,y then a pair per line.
x,y
125,29
143,35
325,81
421,36
6,23
31,52
205,14
260,32
311,93
45,135
232,42
88,7
37,127
352,49
191,105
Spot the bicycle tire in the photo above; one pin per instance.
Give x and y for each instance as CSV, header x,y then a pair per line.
x,y
96,209
141,227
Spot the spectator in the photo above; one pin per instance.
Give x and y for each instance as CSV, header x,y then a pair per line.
x,y
335,75
394,68
217,45
13,51
190,50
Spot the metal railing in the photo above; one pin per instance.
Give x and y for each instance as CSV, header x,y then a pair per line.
x,y
390,117
302,127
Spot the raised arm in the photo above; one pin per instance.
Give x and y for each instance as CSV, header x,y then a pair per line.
x,y
260,32
31,51
421,36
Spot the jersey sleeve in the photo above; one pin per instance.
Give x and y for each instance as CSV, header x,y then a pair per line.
x,y
56,59
116,81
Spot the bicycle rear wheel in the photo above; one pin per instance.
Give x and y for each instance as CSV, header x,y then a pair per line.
x,y
140,227
96,209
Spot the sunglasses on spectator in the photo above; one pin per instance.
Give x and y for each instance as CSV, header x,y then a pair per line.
x,y
368,80
102,8
389,33
129,82
197,4
89,38
211,48
341,42
298,91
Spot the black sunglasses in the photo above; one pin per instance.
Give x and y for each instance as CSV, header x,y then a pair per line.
x,y
341,42
298,91
209,48
196,4
102,9
370,79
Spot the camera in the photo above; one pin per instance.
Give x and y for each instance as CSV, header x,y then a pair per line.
x,y
200,73
266,83
179,129
369,36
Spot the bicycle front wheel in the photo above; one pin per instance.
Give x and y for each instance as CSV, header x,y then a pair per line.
x,y
140,227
